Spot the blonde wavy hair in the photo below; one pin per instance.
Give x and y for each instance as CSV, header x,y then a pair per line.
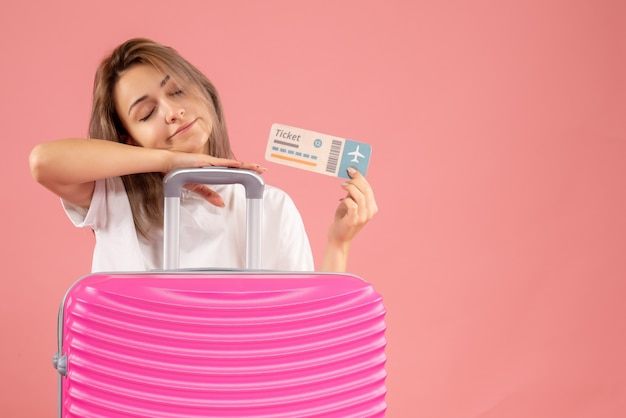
x,y
144,190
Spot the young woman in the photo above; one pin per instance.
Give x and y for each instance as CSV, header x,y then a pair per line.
x,y
153,112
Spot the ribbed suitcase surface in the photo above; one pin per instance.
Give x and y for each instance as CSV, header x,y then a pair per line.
x,y
232,344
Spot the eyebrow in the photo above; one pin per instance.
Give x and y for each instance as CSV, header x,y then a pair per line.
x,y
145,96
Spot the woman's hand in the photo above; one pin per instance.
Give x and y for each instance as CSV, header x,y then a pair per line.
x,y
176,159
354,211
185,160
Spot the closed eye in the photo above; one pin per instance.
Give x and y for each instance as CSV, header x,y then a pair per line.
x,y
176,93
145,118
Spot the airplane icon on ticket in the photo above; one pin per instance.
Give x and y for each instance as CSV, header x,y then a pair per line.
x,y
356,155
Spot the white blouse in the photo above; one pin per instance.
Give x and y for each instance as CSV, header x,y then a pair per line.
x,y
210,237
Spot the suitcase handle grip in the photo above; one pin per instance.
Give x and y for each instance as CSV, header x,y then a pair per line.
x,y
175,180
173,184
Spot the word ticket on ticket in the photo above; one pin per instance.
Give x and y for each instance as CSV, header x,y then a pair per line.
x,y
317,152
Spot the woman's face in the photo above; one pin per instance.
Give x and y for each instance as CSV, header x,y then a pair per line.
x,y
159,113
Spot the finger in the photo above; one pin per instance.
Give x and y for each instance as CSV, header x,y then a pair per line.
x,y
349,212
353,173
361,182
357,196
224,162
254,167
360,191
358,180
207,193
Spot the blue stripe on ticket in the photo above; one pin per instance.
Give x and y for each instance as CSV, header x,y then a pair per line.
x,y
355,154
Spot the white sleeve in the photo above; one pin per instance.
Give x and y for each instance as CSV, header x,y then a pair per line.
x,y
110,217
93,216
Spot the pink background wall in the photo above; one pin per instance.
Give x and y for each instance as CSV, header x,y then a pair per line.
x,y
499,138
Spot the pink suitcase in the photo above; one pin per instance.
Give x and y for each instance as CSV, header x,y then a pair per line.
x,y
251,343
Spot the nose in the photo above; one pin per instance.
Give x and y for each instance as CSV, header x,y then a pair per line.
x,y
173,111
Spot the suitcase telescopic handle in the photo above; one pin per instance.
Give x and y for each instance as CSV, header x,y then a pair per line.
x,y
173,184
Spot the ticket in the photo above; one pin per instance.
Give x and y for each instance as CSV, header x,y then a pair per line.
x,y
317,152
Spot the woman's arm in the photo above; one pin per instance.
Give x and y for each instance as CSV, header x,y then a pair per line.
x,y
354,211
70,167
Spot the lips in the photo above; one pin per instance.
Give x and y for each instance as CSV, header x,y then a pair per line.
x,y
183,128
